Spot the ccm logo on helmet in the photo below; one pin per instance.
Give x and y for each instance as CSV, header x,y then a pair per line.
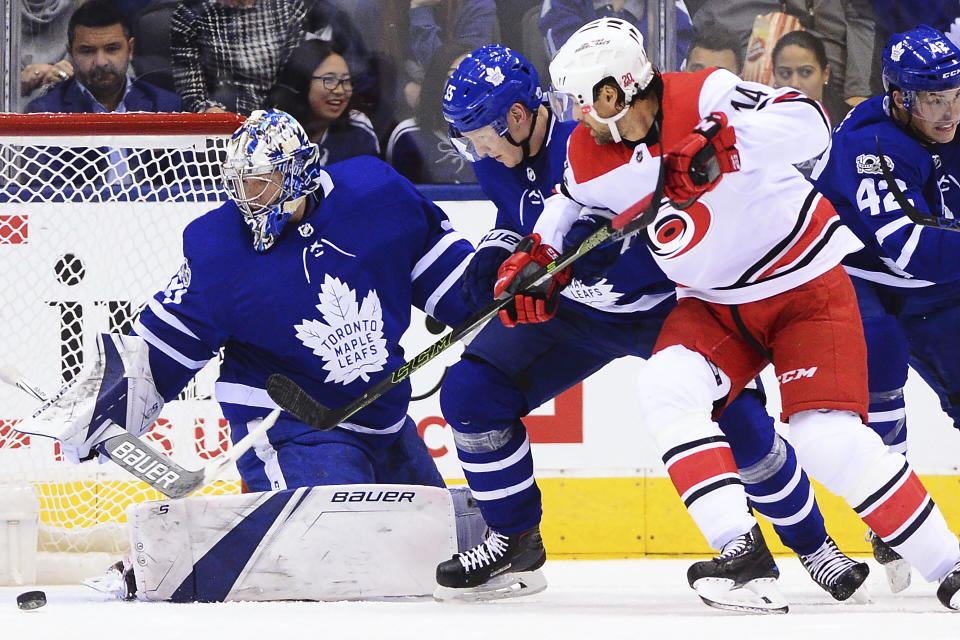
x,y
796,374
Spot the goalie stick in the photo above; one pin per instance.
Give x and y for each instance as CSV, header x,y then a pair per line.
x,y
915,215
292,398
143,461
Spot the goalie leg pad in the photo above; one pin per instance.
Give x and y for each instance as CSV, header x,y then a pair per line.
x,y
115,392
345,542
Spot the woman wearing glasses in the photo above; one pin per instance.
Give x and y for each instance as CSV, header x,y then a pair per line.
x,y
316,87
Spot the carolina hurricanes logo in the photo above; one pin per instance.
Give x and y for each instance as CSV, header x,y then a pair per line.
x,y
679,231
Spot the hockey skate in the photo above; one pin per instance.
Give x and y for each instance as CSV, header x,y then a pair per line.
x,y
499,567
949,591
839,575
742,578
897,569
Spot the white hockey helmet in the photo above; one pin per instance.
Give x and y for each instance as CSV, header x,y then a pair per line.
x,y
604,48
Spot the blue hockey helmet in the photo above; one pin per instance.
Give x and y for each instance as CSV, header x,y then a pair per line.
x,y
482,89
922,59
270,150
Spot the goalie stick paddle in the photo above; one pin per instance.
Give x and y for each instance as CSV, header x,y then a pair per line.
x,y
292,398
143,461
915,215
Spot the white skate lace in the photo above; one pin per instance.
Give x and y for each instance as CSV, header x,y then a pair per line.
x,y
827,563
735,547
487,552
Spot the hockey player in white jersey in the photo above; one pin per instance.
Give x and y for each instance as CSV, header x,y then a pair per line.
x,y
755,253
311,272
494,98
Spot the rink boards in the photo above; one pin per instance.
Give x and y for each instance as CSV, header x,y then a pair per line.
x,y
605,489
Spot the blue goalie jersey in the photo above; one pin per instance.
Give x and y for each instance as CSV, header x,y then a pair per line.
x,y
635,285
326,305
896,251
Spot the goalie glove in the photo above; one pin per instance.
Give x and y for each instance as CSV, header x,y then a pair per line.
x,y
117,392
696,164
592,266
537,304
476,287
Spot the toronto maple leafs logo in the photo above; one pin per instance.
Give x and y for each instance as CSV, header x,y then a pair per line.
x,y
350,337
494,76
896,52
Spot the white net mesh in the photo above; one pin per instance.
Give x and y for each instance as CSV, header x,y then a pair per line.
x,y
90,226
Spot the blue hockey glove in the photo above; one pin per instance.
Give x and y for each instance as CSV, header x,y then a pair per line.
x,y
476,287
594,265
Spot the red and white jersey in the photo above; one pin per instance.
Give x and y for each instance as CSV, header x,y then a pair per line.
x,y
761,231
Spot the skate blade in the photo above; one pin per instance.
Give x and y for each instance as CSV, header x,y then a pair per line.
x,y
861,595
761,595
898,575
507,585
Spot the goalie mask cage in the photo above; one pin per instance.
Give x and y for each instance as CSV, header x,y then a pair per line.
x,y
92,208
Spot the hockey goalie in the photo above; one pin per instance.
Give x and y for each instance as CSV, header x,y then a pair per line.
x,y
310,272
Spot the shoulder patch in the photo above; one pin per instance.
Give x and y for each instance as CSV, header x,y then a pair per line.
x,y
870,163
589,160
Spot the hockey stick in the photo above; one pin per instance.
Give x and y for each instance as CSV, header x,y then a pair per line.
x,y
915,215
292,398
143,461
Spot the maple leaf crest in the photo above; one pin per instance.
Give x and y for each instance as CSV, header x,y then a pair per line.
x,y
350,337
494,76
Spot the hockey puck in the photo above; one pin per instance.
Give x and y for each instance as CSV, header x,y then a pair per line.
x,y
31,600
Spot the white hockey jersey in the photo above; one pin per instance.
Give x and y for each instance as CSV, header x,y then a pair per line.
x,y
762,231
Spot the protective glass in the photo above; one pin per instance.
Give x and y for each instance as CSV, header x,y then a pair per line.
x,y
937,107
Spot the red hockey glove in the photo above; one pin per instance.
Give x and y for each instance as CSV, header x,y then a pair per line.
x,y
540,303
696,164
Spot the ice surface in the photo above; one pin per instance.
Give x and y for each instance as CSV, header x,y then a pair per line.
x,y
585,600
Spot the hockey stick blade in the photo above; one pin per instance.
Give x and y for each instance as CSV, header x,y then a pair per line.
x,y
292,398
915,215
142,461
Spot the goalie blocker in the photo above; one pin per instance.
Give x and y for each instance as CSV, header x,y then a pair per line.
x,y
340,542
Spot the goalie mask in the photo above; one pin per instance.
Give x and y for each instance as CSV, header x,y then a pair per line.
x,y
604,48
271,166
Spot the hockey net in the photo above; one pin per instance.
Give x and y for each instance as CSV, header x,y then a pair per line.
x,y
92,207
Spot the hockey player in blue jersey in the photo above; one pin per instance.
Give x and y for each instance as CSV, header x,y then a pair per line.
x,y
308,271
518,148
907,277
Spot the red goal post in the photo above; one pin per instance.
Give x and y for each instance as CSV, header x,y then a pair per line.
x,y
92,207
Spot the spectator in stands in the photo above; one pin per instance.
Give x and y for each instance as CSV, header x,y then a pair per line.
x,y
100,49
560,18
419,148
316,88
226,54
329,22
897,16
714,47
405,34
800,61
41,52
846,27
